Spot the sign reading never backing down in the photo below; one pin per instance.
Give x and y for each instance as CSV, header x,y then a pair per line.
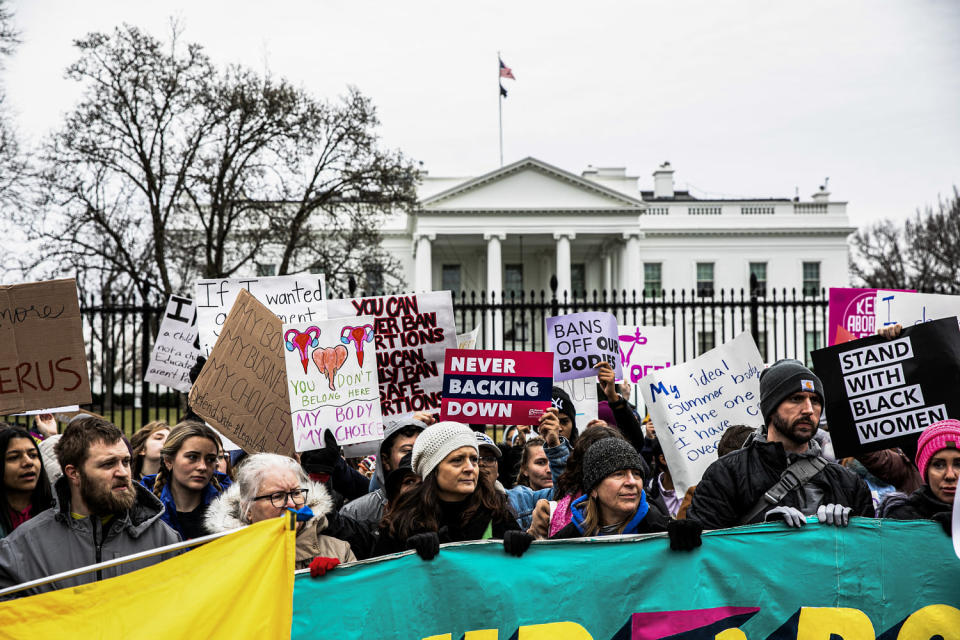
x,y
883,393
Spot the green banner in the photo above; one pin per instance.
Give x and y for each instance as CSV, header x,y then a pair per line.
x,y
876,578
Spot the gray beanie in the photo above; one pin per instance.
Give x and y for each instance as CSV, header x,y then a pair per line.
x,y
784,378
607,456
436,442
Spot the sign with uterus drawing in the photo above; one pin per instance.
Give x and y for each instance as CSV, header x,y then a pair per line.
x,y
332,378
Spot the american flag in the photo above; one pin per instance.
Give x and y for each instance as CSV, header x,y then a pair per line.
x,y
505,71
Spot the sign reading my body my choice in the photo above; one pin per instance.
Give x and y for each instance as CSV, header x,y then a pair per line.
x,y
884,393
496,387
580,341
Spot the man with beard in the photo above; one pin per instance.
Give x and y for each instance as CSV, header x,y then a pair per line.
x,y
100,514
750,485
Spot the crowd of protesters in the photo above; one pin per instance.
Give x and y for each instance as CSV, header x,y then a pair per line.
x,y
88,494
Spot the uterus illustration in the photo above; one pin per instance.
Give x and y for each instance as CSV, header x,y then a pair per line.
x,y
357,335
298,341
329,360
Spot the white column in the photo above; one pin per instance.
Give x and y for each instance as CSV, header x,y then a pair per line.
x,y
493,329
423,272
564,283
607,271
632,260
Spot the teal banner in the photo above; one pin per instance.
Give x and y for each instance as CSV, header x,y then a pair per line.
x,y
875,579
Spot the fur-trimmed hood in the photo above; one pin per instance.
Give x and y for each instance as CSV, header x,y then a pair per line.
x,y
223,514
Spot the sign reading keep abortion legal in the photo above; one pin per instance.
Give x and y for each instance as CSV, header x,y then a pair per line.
x,y
580,341
884,393
496,387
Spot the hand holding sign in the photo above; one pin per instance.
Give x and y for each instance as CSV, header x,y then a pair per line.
x,y
580,341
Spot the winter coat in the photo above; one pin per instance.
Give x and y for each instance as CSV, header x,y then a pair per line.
x,y
919,505
645,520
523,499
893,467
223,514
732,485
368,510
54,541
210,492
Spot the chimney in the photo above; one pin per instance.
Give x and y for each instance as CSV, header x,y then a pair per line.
x,y
663,181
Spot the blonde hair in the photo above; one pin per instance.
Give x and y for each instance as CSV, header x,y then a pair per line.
x,y
591,518
178,435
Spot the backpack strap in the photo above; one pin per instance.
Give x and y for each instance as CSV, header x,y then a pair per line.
x,y
793,477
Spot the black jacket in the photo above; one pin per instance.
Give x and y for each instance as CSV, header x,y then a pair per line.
x,y
451,528
732,485
919,505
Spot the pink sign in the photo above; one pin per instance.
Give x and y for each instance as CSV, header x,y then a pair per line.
x,y
850,315
496,387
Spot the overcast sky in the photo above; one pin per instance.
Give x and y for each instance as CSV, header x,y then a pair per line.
x,y
748,99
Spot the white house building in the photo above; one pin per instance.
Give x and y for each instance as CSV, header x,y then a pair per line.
x,y
513,228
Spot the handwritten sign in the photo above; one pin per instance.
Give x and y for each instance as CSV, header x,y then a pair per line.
x,y
583,394
411,333
242,390
332,373
496,387
908,309
884,393
174,353
298,298
469,339
582,340
42,358
693,403
644,349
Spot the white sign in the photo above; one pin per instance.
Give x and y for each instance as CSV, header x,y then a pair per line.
x,y
298,298
469,339
693,403
907,308
174,353
583,393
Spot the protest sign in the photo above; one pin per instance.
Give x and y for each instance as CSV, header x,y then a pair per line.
x,y
242,390
468,340
644,349
411,333
332,373
873,579
907,309
298,298
496,387
580,341
174,352
850,314
693,403
884,393
42,358
583,393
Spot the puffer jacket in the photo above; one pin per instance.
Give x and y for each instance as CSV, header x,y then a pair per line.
x,y
223,514
170,507
731,486
919,505
54,541
644,520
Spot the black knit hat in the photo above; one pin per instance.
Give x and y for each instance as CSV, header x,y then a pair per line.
x,y
784,378
563,404
607,456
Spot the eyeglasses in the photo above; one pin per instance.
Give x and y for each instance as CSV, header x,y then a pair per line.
x,y
488,461
279,498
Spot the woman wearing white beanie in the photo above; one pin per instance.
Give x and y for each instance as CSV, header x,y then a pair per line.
x,y
450,505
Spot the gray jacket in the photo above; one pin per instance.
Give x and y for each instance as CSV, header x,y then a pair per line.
x,y
53,542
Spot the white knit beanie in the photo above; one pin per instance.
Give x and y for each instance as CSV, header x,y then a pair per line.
x,y
437,441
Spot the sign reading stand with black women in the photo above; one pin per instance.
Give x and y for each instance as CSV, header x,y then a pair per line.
x,y
883,393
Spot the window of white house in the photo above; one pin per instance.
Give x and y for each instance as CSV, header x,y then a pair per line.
x,y
759,269
811,278
652,278
512,280
450,279
705,279
578,279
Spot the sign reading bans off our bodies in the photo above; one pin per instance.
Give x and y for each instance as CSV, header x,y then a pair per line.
x,y
883,393
581,341
693,403
411,333
496,387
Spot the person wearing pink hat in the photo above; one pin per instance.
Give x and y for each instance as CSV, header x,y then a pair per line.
x,y
938,459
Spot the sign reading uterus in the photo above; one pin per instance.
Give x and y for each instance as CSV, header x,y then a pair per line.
x,y
357,335
301,342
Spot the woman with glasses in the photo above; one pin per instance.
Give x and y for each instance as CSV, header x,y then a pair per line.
x,y
267,485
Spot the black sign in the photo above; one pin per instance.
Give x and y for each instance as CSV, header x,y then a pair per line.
x,y
883,393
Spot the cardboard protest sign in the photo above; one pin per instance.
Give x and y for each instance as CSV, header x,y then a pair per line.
x,y
907,308
580,341
52,410
298,298
242,390
583,393
42,358
693,403
644,349
174,352
332,373
468,340
496,387
411,333
884,393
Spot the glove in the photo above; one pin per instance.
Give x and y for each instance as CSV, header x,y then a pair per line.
x,y
835,514
322,460
684,534
945,518
320,565
516,542
790,516
427,545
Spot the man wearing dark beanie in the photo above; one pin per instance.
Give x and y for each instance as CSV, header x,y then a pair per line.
x,y
751,485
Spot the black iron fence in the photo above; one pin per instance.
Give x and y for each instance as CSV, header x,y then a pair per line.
x,y
120,334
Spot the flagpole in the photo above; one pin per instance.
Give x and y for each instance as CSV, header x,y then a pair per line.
x,y
500,105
